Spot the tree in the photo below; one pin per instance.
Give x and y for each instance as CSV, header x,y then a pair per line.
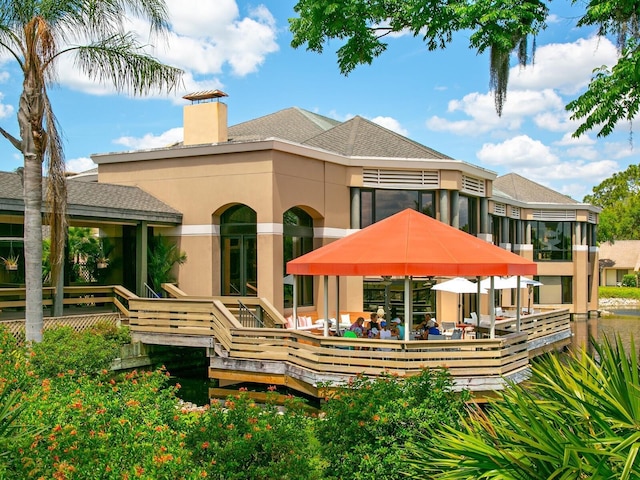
x,y
619,198
575,418
36,34
500,27
162,256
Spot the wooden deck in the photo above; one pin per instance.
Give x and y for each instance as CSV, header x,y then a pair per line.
x,y
273,355
247,341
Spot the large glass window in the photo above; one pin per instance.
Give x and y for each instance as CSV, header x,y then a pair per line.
x,y
238,234
298,240
551,240
554,291
376,205
468,208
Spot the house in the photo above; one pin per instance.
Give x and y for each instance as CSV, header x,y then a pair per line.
x,y
257,194
617,260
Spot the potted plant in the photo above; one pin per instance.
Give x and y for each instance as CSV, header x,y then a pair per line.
x,y
11,262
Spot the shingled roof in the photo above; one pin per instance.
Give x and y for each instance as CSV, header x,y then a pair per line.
x,y
293,124
623,254
524,190
357,137
97,201
360,137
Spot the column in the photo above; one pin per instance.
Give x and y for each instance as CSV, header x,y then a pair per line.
x,y
455,209
142,242
444,206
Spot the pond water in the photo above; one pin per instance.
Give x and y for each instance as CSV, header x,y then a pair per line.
x,y
625,322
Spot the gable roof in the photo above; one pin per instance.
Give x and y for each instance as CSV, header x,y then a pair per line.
x,y
623,254
360,137
522,189
96,200
410,243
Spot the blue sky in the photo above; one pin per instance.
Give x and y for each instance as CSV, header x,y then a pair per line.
x,y
440,99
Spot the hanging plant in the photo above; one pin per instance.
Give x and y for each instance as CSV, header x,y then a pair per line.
x,y
11,262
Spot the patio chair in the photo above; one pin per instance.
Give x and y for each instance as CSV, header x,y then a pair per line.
x,y
457,334
446,326
349,334
433,336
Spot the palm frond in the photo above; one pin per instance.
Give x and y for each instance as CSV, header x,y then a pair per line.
x,y
121,61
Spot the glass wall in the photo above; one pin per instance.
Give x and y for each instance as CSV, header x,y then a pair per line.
x,y
554,291
552,240
238,235
468,214
298,240
376,205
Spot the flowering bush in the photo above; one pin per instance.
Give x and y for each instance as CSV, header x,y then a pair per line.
x,y
239,439
368,423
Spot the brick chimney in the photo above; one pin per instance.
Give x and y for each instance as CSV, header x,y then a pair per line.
x,y
205,120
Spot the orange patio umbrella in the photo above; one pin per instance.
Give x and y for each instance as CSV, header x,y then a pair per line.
x,y
408,244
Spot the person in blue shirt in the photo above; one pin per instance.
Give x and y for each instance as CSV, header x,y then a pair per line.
x,y
397,322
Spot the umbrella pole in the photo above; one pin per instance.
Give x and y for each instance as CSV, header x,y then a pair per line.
x,y
326,305
492,308
408,313
295,302
338,306
518,291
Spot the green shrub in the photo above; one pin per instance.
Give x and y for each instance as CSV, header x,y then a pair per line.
x,y
368,423
240,439
576,418
63,350
619,292
629,281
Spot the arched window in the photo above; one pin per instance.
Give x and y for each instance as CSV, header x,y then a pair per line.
x,y
239,262
298,240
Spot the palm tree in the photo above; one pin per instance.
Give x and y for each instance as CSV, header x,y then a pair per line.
x,y
576,418
36,34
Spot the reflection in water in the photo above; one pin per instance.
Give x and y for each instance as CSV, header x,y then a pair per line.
x,y
627,326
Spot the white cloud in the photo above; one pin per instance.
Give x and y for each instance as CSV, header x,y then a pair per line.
x,y
205,36
391,124
482,117
78,165
517,151
149,140
566,67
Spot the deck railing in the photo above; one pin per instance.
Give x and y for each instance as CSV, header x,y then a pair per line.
x,y
471,358
14,298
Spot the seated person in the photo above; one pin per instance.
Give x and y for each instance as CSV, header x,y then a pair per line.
x,y
434,328
373,323
358,327
423,326
397,322
384,333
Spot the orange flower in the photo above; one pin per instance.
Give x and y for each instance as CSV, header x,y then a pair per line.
x,y
376,418
205,445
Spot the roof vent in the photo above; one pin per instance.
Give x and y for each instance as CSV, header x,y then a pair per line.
x,y
205,121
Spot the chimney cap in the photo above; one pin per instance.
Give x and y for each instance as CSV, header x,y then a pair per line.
x,y
205,95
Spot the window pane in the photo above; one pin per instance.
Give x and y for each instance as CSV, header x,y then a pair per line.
x,y
366,208
427,204
389,202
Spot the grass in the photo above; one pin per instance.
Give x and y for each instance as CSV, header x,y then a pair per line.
x,y
619,292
